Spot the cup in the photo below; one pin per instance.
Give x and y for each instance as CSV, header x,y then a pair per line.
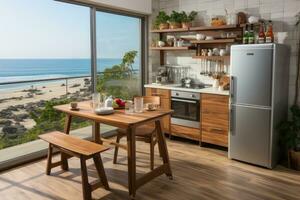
x,y
95,103
74,105
138,104
150,106
129,108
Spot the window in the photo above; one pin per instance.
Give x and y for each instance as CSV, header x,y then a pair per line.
x,y
45,60
118,54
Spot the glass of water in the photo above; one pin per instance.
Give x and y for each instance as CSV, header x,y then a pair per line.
x,y
96,99
138,104
129,108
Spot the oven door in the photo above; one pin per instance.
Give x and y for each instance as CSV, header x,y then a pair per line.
x,y
186,112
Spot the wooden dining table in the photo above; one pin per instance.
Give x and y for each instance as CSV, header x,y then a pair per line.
x,y
129,122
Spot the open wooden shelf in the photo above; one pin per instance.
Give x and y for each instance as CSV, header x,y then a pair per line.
x,y
212,57
200,28
216,41
170,48
214,28
170,30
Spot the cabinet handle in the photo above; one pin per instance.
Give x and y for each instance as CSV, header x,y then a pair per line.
x,y
232,88
217,129
156,94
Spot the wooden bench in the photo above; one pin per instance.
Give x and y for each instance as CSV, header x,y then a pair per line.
x,y
82,149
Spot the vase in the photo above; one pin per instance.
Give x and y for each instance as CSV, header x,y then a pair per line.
x,y
294,159
163,26
175,25
186,25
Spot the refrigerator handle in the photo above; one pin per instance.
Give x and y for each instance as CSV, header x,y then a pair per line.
x,y
231,87
231,121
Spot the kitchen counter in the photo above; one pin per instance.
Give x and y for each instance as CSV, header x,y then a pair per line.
x,y
209,90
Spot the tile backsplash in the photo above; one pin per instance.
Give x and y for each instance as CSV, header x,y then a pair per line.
x,y
281,12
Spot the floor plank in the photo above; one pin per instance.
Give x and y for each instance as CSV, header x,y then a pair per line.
x,y
199,173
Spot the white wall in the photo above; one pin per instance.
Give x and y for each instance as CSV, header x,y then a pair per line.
x,y
137,6
281,12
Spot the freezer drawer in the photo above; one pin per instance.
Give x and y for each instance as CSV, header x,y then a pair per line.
x,y
249,139
251,76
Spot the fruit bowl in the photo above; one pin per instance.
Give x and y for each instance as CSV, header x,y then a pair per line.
x,y
118,104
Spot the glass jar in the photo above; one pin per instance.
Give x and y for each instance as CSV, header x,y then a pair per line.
x,y
138,104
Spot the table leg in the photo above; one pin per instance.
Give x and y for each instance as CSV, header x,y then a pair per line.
x,y
163,147
131,151
64,160
96,133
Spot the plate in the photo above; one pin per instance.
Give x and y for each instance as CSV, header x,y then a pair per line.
x,y
104,111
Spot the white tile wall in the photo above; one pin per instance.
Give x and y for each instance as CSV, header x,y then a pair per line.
x,y
282,12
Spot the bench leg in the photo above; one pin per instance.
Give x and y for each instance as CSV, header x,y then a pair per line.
x,y
86,188
64,161
49,159
100,170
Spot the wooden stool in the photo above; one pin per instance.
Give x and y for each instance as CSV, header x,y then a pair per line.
x,y
82,149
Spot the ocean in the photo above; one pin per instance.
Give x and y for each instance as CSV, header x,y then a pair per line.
x,y
12,70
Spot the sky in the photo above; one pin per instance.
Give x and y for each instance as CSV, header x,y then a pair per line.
x,y
51,29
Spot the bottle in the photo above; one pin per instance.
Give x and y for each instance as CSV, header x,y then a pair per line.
x,y
251,35
269,34
261,34
245,37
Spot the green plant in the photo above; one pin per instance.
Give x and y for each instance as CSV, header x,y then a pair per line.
x,y
290,130
188,18
161,18
120,81
175,17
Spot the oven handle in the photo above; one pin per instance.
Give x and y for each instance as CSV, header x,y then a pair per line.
x,y
182,100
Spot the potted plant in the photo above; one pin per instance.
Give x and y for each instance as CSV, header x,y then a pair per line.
x,y
188,19
161,20
175,20
290,129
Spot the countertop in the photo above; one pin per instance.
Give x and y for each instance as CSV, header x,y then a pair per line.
x,y
209,90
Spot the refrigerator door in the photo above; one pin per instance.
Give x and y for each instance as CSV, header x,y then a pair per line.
x,y
251,74
250,135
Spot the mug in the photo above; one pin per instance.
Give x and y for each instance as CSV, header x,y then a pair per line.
x,y
74,105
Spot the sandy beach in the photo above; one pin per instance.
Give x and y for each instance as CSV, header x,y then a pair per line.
x,y
20,97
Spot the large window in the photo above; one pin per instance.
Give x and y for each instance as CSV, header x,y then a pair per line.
x,y
118,54
46,59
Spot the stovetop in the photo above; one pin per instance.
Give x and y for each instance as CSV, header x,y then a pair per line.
x,y
195,86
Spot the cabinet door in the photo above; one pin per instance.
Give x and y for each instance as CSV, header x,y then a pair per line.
x,y
162,93
165,103
214,119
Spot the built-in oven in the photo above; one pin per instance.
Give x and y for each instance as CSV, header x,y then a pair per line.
x,y
186,106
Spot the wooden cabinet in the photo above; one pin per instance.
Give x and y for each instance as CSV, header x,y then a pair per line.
x,y
186,132
215,119
165,103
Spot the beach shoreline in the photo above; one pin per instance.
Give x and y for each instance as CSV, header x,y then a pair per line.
x,y
15,104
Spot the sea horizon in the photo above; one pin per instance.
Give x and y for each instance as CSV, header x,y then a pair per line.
x,y
14,70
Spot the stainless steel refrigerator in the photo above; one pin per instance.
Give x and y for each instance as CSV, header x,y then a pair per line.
x,y
258,101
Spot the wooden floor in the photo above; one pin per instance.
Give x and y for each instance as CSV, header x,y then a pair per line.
x,y
199,174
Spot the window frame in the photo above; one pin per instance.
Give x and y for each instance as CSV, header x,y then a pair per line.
x,y
144,39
